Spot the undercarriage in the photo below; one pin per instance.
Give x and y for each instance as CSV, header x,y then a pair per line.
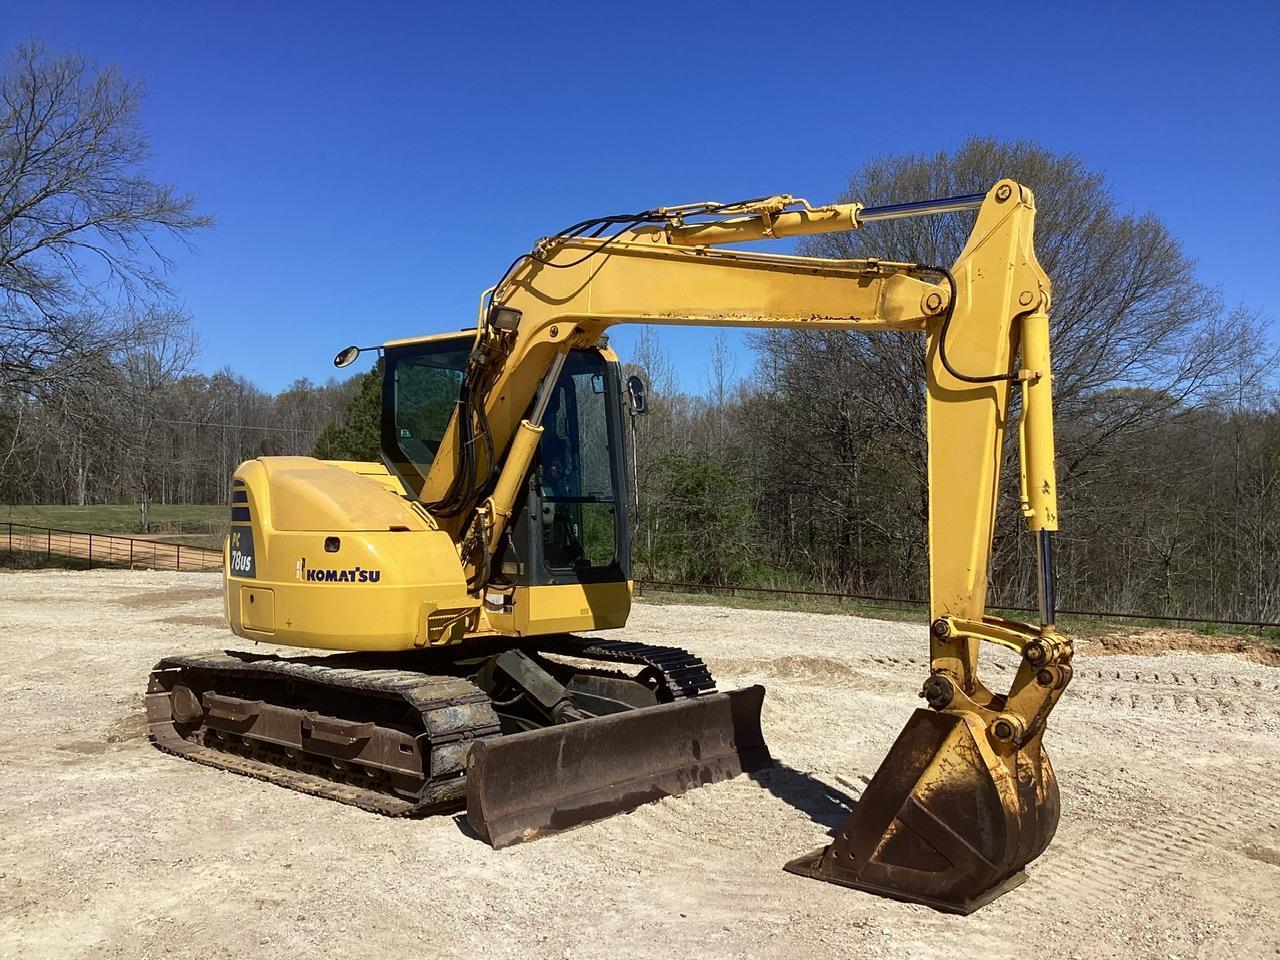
x,y
397,734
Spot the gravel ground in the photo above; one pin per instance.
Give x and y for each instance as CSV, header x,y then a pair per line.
x,y
1169,844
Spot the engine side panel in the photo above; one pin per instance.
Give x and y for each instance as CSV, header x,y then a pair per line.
x,y
322,556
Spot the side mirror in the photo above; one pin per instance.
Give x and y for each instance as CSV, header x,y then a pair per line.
x,y
346,357
637,395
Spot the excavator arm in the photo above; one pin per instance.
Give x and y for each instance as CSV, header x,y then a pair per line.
x,y
966,797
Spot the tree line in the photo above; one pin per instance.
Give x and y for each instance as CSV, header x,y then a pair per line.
x,y
809,468
138,434
783,486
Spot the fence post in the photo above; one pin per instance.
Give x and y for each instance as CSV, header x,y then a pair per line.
x,y
179,563
91,551
48,542
131,553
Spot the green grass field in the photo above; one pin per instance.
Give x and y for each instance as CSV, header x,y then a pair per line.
x,y
203,526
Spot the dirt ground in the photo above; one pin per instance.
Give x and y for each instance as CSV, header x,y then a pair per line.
x,y
1169,845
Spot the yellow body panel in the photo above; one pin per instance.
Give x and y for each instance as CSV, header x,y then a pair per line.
x,y
374,471
307,494
393,583
563,608
258,609
389,573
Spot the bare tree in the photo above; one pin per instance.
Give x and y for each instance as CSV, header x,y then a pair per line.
x,y
79,216
149,369
1137,338
1128,312
141,429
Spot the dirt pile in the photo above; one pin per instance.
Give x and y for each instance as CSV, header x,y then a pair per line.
x,y
1150,642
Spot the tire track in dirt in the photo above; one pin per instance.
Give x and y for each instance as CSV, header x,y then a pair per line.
x,y
1236,700
1118,863
859,672
1179,678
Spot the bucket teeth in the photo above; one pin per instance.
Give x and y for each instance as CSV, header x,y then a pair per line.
x,y
946,821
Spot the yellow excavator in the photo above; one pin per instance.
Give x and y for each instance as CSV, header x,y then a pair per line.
x,y
460,573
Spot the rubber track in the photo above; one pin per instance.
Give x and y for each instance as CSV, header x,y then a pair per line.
x,y
454,712
685,675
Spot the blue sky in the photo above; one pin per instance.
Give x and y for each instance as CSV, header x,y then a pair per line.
x,y
373,166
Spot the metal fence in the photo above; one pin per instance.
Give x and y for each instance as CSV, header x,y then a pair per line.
x,y
104,549
107,549
733,591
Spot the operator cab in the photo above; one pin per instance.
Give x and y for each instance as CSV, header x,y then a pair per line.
x,y
571,524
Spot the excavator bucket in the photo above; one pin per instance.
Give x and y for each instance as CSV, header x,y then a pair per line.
x,y
528,785
949,819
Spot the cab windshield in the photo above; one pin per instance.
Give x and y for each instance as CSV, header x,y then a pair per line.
x,y
575,470
423,382
573,482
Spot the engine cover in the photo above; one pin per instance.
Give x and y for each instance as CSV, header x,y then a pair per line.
x,y
331,555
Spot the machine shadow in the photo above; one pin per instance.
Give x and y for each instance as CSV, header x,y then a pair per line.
x,y
820,801
465,828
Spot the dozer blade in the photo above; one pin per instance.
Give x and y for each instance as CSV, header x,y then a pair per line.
x,y
528,785
947,820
